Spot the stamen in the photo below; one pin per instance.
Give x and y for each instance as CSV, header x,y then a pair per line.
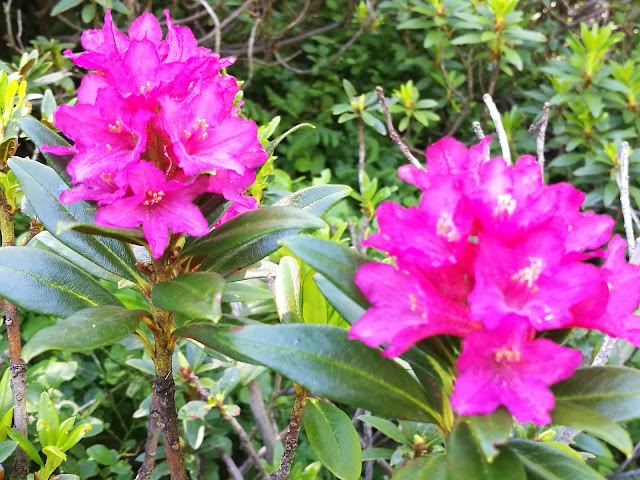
x,y
506,205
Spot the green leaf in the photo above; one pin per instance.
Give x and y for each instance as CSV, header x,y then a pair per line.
x,y
333,438
88,12
42,186
490,431
6,449
45,283
251,236
547,463
376,453
348,88
335,262
571,414
6,395
286,289
64,5
271,146
196,295
245,292
48,421
85,330
41,135
322,359
26,446
612,391
102,454
349,309
384,426
45,241
128,235
469,38
464,460
424,468
316,200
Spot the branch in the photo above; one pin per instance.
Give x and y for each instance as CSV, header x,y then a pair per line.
x,y
393,134
541,127
151,444
477,129
234,471
291,443
497,121
216,25
263,422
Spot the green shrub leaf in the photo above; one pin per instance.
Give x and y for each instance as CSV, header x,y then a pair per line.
x,y
196,295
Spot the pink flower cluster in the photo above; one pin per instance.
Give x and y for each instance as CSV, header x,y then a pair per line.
x,y
493,255
155,126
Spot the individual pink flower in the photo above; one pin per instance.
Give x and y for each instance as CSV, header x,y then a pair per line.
x,y
206,133
440,226
404,310
612,311
507,366
532,278
159,206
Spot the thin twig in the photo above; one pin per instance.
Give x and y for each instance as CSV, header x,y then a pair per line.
x,y
477,129
6,7
540,126
234,471
216,25
622,177
393,134
623,185
261,416
497,121
291,443
245,441
151,444
252,40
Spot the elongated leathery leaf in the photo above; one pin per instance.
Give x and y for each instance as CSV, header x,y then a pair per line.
x,y
250,237
45,283
86,330
317,199
333,438
196,295
543,462
41,135
42,187
612,391
335,262
45,241
322,359
465,460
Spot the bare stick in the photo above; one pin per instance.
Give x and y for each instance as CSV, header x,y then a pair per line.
x,y
263,422
245,441
234,471
392,131
477,129
623,185
151,444
291,443
252,41
502,135
216,25
541,127
622,178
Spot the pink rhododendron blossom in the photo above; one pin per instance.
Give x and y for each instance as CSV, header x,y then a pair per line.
x,y
418,309
507,366
154,127
493,255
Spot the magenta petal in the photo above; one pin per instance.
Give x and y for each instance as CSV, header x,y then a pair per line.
x,y
504,366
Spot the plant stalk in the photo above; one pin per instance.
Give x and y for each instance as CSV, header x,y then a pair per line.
x,y
17,365
291,443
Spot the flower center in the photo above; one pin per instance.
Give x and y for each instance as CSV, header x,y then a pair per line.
x,y
528,275
145,88
198,128
117,128
506,205
152,198
506,355
446,228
